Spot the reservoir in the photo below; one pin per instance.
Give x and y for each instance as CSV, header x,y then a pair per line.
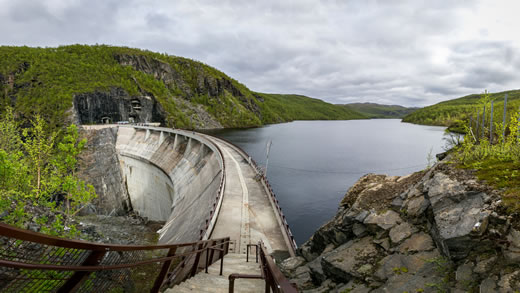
x,y
313,163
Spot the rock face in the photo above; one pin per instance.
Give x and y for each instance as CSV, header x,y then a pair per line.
x,y
99,165
116,105
434,231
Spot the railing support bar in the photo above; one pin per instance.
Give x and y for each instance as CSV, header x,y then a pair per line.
x,y
78,278
164,270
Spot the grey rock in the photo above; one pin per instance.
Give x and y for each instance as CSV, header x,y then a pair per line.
x,y
290,264
384,243
302,278
512,254
509,282
440,188
343,263
354,287
316,271
458,215
396,204
400,232
484,266
464,272
488,286
384,220
417,242
400,263
416,206
361,216
359,229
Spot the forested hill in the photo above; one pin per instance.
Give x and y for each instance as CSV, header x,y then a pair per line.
x,y
457,112
373,110
96,84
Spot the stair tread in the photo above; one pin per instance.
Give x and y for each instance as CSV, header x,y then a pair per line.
x,y
212,282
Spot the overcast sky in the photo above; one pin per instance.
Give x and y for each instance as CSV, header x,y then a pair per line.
x,y
413,53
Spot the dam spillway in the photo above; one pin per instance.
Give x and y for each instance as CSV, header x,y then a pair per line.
x,y
201,186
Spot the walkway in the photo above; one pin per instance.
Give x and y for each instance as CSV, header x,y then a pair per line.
x,y
246,214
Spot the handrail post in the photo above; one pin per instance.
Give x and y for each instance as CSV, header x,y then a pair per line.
x,y
164,270
73,284
197,259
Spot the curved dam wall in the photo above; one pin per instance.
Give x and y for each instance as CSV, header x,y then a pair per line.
x,y
172,176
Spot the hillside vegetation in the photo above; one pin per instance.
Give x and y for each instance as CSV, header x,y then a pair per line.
x,y
45,81
457,112
373,110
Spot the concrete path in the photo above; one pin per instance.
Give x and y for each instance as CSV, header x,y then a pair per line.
x,y
246,214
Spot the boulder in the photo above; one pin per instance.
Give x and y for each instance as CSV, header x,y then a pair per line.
x,y
400,232
416,243
512,253
385,220
459,216
344,263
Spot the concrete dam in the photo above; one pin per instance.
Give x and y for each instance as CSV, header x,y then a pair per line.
x,y
202,187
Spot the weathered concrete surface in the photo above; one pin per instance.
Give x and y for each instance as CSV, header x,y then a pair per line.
x,y
246,202
175,176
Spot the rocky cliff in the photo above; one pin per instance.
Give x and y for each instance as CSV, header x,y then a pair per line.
x,y
99,166
438,230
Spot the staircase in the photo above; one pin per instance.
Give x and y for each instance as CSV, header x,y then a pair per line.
x,y
213,282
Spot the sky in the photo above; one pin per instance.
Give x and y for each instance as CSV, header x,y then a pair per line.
x,y
409,52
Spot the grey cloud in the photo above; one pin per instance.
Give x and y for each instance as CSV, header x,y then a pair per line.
x,y
355,51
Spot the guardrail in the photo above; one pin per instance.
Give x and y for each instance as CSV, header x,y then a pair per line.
x,y
269,190
34,262
275,280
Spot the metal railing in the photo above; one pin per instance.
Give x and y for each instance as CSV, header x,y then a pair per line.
x,y
34,262
275,280
269,190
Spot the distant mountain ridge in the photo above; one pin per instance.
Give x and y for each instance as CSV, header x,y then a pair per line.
x,y
374,110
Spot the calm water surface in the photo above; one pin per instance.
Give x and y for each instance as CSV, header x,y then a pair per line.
x,y
313,163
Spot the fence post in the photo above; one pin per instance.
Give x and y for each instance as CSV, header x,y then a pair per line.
x,y
79,277
483,122
504,121
164,270
476,126
491,124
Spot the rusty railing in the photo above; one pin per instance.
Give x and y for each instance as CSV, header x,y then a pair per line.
x,y
34,262
275,280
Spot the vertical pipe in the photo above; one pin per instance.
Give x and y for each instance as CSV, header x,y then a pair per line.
x,y
491,124
504,121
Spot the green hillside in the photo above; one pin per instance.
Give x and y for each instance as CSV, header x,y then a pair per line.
x,y
457,112
277,107
181,92
373,110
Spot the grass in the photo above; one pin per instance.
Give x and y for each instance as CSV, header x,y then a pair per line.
x,y
456,113
44,81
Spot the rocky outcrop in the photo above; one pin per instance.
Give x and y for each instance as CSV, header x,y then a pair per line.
x,y
99,166
434,231
199,82
116,105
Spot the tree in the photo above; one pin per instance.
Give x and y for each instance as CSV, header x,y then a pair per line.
x,y
38,145
77,192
